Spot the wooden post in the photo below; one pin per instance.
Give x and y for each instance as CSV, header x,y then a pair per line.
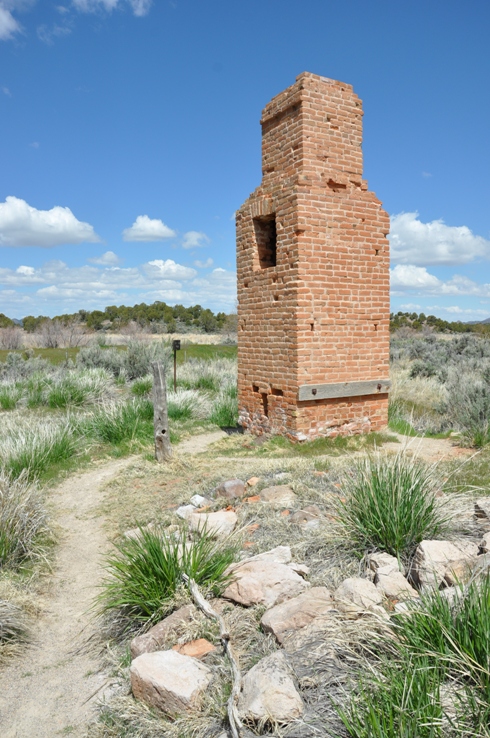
x,y
163,449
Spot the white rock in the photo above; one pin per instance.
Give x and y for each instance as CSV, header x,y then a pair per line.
x,y
169,681
436,562
263,582
218,524
384,563
136,532
281,495
200,501
269,693
280,555
394,585
297,612
300,569
184,511
359,592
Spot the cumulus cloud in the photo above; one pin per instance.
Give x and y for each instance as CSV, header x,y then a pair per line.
x,y
139,7
8,24
406,279
23,225
423,244
148,229
107,259
194,239
55,287
413,278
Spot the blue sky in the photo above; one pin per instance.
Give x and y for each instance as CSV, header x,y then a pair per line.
x,y
129,135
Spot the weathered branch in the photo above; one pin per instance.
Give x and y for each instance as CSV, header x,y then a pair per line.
x,y
163,448
203,604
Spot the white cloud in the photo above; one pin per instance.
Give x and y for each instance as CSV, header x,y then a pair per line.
x,y
8,25
47,34
23,225
412,277
6,90
407,278
34,145
107,259
410,306
54,287
148,229
426,175
414,242
194,239
204,264
139,7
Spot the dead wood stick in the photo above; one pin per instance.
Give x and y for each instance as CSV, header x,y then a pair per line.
x,y
163,448
203,604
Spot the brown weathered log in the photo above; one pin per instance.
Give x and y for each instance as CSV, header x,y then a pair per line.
x,y
163,448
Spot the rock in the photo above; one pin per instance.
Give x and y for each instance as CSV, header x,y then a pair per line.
x,y
482,564
197,649
300,569
136,532
305,519
156,636
385,564
482,508
184,511
485,543
263,582
395,586
231,489
218,524
269,694
280,555
359,592
281,495
200,501
297,613
438,562
169,681
253,481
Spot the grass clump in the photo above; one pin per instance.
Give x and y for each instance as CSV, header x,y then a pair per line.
x,y
145,572
12,622
32,451
120,423
23,520
390,504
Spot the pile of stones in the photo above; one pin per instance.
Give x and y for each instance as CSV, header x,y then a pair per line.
x,y
174,680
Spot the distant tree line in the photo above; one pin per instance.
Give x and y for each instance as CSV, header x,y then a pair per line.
x,y
158,318
419,321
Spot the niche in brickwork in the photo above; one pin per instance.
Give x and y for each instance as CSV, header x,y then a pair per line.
x,y
266,240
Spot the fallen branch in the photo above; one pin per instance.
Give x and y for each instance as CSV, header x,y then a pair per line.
x,y
203,604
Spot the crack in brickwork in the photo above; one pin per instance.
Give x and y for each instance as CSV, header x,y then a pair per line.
x,y
318,312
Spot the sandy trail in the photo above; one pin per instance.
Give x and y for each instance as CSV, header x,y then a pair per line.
x,y
51,689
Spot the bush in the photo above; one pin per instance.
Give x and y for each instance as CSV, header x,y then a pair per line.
x,y
23,520
145,572
390,504
468,406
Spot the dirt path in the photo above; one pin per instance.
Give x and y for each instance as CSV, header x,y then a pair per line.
x,y
429,449
51,689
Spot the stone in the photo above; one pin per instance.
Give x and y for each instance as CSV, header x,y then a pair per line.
x,y
482,508
218,524
385,564
155,638
359,592
485,543
280,555
200,501
300,569
136,532
269,693
394,586
482,564
185,510
305,519
443,562
297,613
197,649
253,481
231,489
169,681
281,495
263,583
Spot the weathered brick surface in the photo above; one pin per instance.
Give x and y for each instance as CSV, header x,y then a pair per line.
x,y
317,312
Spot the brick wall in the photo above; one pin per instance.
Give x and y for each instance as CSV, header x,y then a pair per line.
x,y
313,272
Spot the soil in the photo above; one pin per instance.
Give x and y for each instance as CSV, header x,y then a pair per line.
x,y
51,689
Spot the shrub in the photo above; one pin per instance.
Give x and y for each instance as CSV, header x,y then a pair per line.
x,y
23,520
390,504
469,406
33,450
145,572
